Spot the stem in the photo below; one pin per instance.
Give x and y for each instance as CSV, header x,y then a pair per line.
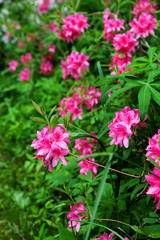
x,y
112,220
99,165
93,14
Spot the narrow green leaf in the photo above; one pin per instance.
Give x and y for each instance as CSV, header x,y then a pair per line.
x,y
104,95
52,111
37,119
153,162
65,234
38,108
157,57
99,195
152,75
151,52
100,69
53,120
137,229
144,97
155,95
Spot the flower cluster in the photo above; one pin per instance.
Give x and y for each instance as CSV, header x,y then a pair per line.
x,y
153,149
13,65
46,67
143,26
80,99
123,125
111,24
73,25
154,181
52,145
144,6
24,75
84,147
26,59
74,65
105,236
121,60
125,43
44,6
76,210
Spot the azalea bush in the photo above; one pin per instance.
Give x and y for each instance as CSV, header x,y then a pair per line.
x,y
80,120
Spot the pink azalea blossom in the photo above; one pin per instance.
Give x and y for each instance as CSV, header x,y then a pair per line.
x,y
86,166
13,65
52,145
153,149
111,24
125,238
53,27
125,43
144,6
46,68
143,26
105,236
51,48
123,125
8,35
26,59
24,75
74,65
154,189
44,6
76,214
21,44
73,25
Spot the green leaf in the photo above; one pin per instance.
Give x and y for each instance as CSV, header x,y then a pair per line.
x,y
137,229
144,97
52,111
103,130
155,95
151,53
157,57
153,162
38,108
100,69
152,75
53,120
37,119
41,231
104,95
67,118
64,234
152,229
99,194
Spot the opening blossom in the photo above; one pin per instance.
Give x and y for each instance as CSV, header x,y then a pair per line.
x,y
153,149
154,189
73,25
13,65
105,236
76,214
26,59
74,65
143,26
52,145
123,125
24,75
51,48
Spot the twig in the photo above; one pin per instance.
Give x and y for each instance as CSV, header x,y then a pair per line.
x,y
112,220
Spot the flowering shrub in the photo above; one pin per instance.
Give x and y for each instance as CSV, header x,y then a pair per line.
x,y
88,167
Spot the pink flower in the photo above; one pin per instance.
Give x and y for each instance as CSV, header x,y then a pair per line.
x,y
144,6
53,27
154,189
105,237
125,43
8,35
51,48
85,166
24,75
75,64
21,44
73,25
111,24
26,59
92,96
52,145
123,125
125,238
153,149
144,25
13,65
44,7
46,68
74,215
